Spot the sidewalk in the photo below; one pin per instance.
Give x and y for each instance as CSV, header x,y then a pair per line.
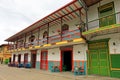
x,y
13,73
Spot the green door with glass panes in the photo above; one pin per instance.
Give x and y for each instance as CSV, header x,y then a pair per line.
x,y
98,58
106,14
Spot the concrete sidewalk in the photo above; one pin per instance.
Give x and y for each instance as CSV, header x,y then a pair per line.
x,y
13,73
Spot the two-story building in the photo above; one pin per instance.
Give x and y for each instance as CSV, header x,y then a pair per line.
x,y
5,56
82,33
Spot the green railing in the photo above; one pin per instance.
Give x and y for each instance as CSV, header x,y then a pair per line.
x,y
104,21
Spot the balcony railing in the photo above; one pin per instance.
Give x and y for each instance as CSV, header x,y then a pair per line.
x,y
104,21
67,35
70,35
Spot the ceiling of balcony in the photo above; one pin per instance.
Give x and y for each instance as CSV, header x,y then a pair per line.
x,y
91,2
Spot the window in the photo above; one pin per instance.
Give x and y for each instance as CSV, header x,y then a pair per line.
x,y
106,10
45,34
31,38
65,27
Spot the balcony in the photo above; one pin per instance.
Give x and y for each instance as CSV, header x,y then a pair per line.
x,y
64,36
104,25
95,27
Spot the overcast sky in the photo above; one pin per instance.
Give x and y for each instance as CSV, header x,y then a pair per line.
x,y
15,15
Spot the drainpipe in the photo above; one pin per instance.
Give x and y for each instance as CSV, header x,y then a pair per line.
x,y
81,28
61,29
25,41
48,34
38,36
86,9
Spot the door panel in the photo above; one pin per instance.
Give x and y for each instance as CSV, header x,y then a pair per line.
x,y
33,61
94,61
98,59
44,61
103,59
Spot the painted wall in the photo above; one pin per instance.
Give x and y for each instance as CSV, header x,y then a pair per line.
x,y
53,30
55,56
22,58
79,56
38,56
16,58
12,57
82,55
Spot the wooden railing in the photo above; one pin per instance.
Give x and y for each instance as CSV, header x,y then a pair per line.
x,y
70,35
109,20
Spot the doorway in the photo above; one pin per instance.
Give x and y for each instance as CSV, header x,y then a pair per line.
x,y
19,58
98,58
66,60
25,58
44,61
33,60
14,58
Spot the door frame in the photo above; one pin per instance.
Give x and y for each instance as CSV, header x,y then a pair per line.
x,y
32,53
61,55
41,58
26,54
88,55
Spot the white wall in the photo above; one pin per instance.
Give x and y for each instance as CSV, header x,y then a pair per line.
x,y
38,55
82,55
53,29
16,58
22,57
12,57
55,56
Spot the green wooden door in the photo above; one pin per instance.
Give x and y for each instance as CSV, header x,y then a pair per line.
x,y
106,14
98,58
94,62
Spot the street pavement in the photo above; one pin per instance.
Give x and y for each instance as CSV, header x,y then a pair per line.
x,y
13,73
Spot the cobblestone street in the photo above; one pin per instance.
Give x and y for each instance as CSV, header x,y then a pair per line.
x,y
13,73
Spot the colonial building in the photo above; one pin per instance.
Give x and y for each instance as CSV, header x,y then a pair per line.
x,y
5,56
83,33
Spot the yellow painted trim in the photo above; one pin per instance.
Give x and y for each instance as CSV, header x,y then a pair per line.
x,y
78,40
62,42
37,46
19,49
46,45
115,68
30,47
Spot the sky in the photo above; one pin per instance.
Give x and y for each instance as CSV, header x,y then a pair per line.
x,y
15,15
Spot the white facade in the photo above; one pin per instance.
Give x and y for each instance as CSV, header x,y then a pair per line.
x,y
79,52
38,55
54,54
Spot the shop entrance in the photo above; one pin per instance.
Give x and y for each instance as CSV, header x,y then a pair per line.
x,y
66,60
25,58
19,58
44,61
33,58
98,58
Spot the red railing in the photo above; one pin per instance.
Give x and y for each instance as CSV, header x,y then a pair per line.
x,y
67,35
70,35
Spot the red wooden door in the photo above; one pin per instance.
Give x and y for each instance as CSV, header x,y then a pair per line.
x,y
44,61
26,58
